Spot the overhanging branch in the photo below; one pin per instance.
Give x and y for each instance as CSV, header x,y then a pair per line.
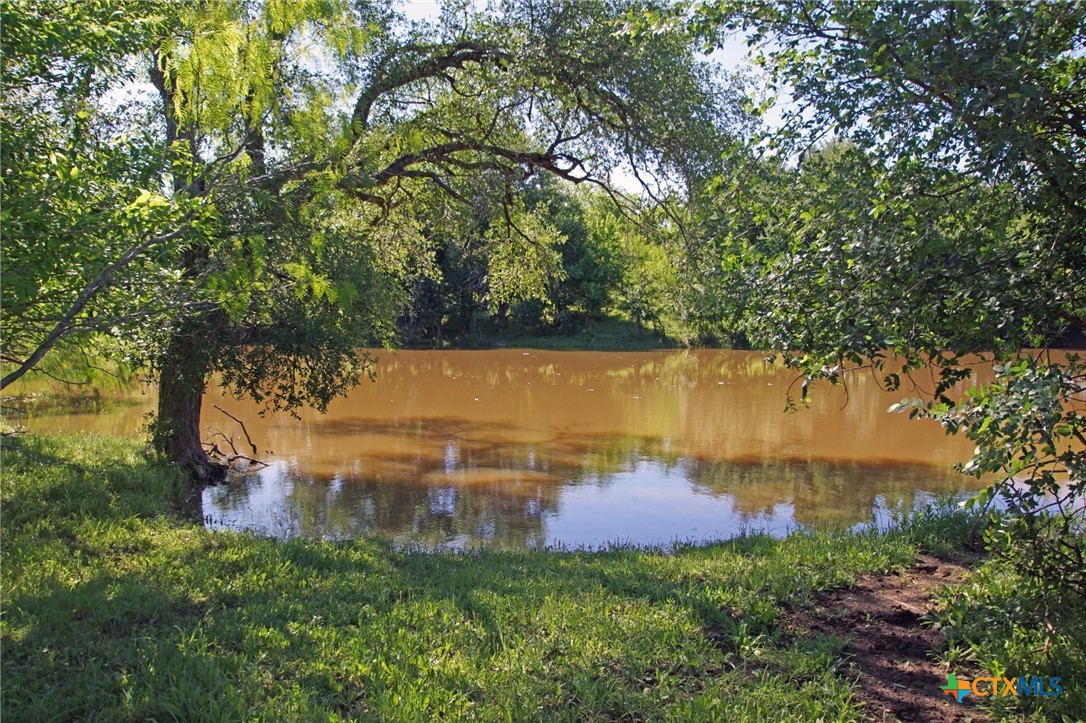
x,y
400,74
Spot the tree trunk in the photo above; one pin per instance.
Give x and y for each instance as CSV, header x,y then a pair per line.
x,y
182,378
183,367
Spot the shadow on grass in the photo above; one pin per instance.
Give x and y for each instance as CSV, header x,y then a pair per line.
x,y
162,621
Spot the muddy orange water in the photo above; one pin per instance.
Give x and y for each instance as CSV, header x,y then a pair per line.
x,y
518,448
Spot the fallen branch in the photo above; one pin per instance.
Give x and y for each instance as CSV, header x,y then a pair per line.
x,y
252,462
243,429
215,447
229,459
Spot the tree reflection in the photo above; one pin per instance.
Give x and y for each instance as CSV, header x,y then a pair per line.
x,y
449,482
822,493
280,501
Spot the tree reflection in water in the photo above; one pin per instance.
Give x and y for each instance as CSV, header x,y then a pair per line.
x,y
447,483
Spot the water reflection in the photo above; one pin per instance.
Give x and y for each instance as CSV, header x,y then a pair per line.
x,y
526,500
453,483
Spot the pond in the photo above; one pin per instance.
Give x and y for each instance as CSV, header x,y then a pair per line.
x,y
523,448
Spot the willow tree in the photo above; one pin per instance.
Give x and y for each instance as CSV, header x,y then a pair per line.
x,y
309,134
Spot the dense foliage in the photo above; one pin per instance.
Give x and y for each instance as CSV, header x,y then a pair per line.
x,y
948,227
89,241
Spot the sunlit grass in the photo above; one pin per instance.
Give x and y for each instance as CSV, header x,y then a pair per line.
x,y
117,607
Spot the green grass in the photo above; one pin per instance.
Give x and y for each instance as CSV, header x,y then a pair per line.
x,y
1008,625
118,607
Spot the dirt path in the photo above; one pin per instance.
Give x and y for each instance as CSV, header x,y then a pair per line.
x,y
890,650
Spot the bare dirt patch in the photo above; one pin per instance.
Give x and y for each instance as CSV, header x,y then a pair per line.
x,y
890,650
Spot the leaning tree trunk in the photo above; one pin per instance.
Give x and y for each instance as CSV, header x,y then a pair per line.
x,y
182,379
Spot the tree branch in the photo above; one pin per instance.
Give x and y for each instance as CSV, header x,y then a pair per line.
x,y
243,429
64,325
405,73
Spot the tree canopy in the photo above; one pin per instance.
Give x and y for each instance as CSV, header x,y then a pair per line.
x,y
246,183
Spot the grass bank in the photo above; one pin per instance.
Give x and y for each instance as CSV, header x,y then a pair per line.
x,y
117,607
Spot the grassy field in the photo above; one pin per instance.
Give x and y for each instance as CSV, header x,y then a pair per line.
x,y
117,606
